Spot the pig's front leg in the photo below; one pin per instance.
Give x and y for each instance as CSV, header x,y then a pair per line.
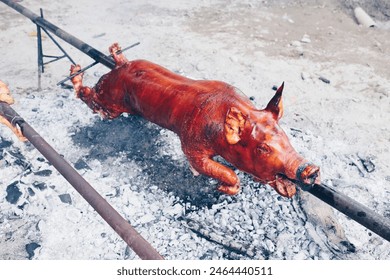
x,y
86,94
77,81
15,130
230,183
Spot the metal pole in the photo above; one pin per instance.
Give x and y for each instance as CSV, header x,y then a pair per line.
x,y
135,241
41,68
85,48
351,208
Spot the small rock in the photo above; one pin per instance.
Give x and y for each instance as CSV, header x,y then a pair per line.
x,y
368,165
233,59
306,39
13,193
59,103
325,80
296,44
65,198
270,245
201,66
176,210
30,248
146,219
99,35
40,225
312,249
8,235
305,76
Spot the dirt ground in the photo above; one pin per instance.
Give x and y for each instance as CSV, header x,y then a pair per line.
x,y
337,107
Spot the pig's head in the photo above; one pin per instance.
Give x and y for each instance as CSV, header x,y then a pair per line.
x,y
263,149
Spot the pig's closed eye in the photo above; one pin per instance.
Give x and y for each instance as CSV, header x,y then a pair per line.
x,y
263,149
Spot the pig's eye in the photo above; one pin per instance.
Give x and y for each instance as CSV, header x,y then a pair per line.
x,y
263,149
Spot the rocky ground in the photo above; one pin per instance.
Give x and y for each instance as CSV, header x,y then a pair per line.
x,y
336,114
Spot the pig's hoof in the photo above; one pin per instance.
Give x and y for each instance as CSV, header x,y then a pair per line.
x,y
74,69
230,190
114,48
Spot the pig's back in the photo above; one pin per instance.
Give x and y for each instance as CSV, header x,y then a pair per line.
x,y
166,98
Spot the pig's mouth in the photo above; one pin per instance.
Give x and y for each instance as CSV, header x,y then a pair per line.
x,y
283,185
306,174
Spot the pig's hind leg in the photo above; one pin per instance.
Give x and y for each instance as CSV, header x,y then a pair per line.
x,y
6,97
230,183
117,55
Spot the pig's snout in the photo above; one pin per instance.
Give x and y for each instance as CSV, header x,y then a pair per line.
x,y
308,174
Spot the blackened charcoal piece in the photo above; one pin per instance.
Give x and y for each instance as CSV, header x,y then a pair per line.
x,y
30,248
19,159
81,164
325,80
13,193
368,165
40,159
43,173
30,192
40,186
65,198
21,207
4,143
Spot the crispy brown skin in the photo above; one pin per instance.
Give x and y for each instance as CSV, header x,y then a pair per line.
x,y
210,117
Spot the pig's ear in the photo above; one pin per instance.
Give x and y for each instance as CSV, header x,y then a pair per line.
x,y
234,125
275,106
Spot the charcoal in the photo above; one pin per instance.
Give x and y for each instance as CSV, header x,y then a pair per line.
x,y
65,198
43,173
40,186
30,248
13,193
81,164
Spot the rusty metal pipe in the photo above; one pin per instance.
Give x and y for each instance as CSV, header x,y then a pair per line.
x,y
135,241
351,208
85,48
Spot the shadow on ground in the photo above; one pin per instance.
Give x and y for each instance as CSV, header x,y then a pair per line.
x,y
137,139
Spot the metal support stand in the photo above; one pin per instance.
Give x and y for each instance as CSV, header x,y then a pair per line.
x,y
41,55
41,67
